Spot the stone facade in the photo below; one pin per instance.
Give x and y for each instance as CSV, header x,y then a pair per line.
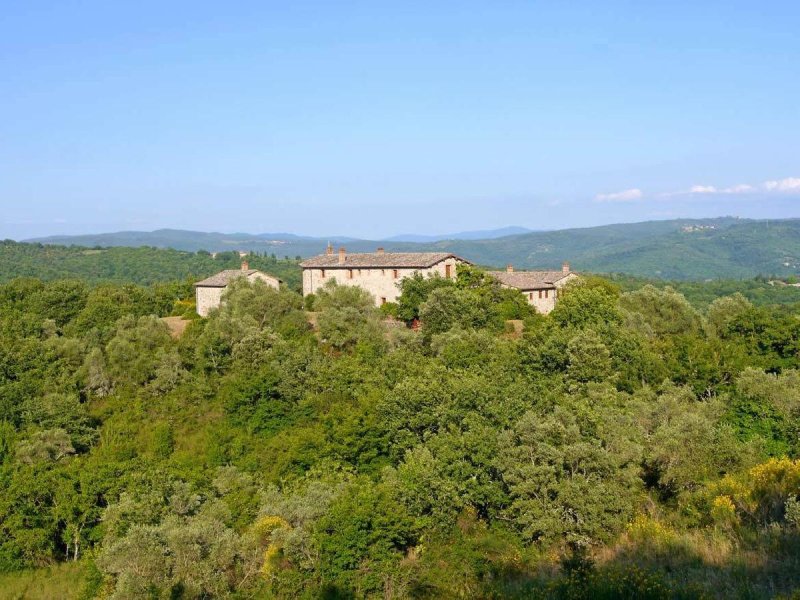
x,y
545,300
207,298
539,287
208,293
377,272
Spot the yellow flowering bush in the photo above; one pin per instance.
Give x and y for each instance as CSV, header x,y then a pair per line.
x,y
759,494
263,529
777,475
646,530
723,511
265,525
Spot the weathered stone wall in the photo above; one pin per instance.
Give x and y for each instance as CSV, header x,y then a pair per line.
x,y
544,301
548,299
208,298
381,283
268,279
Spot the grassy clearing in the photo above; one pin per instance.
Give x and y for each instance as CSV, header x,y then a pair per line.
x,y
65,581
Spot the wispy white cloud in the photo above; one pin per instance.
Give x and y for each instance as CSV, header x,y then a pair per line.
x,y
623,196
741,188
702,189
790,184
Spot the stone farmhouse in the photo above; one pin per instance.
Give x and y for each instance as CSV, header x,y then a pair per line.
x,y
540,287
377,272
208,292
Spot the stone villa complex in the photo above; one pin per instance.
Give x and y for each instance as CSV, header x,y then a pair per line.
x,y
377,272
540,287
208,292
380,272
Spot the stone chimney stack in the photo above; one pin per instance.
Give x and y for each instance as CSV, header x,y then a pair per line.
x,y
379,252
509,268
329,249
342,256
245,265
565,267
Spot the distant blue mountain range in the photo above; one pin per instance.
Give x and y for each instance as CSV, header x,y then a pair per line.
x,y
484,234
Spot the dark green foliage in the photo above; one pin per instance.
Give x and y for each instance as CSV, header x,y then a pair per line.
x,y
143,265
163,440
258,456
364,528
258,402
347,318
701,294
587,302
415,291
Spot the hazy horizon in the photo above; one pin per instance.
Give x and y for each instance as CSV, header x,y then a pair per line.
x,y
339,235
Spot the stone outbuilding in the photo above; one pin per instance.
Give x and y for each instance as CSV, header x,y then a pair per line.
x,y
540,287
377,272
208,292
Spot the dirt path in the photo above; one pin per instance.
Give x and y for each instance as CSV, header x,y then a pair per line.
x,y
176,325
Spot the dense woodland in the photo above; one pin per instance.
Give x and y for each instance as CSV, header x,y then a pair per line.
x,y
143,265
629,444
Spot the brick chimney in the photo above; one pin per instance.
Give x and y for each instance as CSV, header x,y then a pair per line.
x,y
245,265
509,268
565,267
329,249
379,252
342,256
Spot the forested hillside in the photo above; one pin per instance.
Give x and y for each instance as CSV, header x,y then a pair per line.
x,y
759,290
684,249
142,265
626,445
681,249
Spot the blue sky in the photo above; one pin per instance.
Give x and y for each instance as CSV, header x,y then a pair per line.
x,y
374,118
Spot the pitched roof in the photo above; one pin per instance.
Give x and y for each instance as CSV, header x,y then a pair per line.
x,y
377,260
223,278
529,280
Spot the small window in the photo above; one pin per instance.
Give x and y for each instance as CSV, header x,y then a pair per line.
x,y
349,273
530,296
322,273
383,271
447,271
540,294
547,293
383,300
395,273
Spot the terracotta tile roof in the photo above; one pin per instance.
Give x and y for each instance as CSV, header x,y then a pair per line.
x,y
529,280
375,260
223,278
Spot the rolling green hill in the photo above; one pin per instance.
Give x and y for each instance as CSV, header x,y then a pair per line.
x,y
144,265
684,249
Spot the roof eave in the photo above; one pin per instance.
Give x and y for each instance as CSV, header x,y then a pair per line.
x,y
308,265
